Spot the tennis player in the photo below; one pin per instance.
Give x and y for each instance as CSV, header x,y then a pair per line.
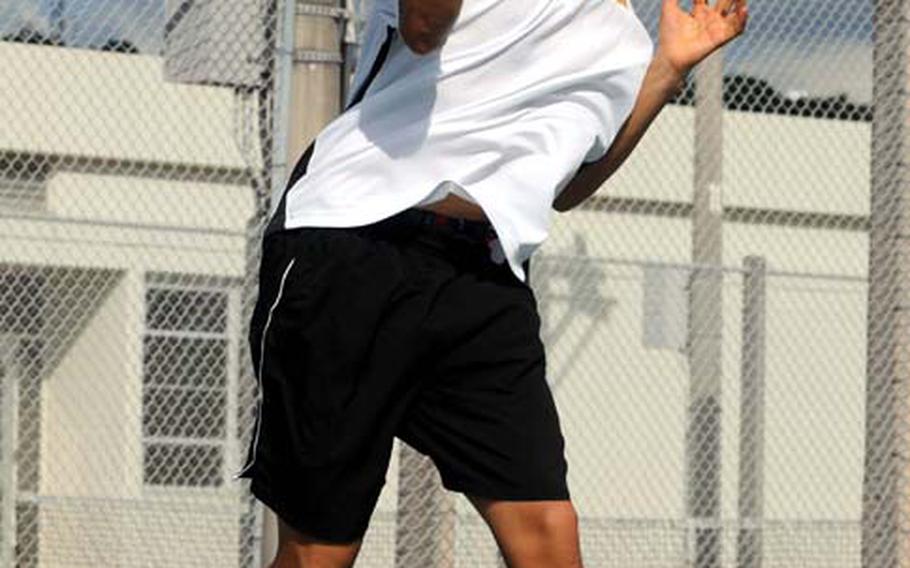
x,y
394,298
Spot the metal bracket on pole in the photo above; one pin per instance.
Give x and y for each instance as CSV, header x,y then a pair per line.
x,y
317,56
323,11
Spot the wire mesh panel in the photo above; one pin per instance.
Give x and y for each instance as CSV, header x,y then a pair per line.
x,y
134,162
723,336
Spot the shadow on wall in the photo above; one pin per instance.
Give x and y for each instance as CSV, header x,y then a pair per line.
x,y
570,286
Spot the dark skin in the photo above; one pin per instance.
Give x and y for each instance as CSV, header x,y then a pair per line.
x,y
424,25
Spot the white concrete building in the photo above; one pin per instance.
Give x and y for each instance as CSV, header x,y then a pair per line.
x,y
126,204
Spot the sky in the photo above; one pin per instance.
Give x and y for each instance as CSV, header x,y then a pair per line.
x,y
815,47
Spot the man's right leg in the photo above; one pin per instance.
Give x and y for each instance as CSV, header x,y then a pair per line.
x,y
487,416
297,550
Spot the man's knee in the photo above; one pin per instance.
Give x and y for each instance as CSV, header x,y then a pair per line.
x,y
553,519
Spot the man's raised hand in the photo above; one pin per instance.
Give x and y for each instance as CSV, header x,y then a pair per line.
x,y
686,38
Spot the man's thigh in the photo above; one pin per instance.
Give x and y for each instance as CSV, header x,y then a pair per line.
x,y
484,412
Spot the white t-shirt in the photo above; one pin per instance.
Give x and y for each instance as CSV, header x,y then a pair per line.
x,y
521,94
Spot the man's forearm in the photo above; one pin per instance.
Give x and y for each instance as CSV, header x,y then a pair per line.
x,y
661,83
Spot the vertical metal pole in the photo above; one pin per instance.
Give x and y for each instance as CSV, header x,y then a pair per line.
x,y
307,97
284,68
752,416
277,164
703,430
886,499
350,48
9,410
425,528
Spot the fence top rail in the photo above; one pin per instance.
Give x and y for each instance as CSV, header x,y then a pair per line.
x,y
653,263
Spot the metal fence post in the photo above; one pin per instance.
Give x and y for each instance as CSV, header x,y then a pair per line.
x,y
886,505
9,421
305,98
274,137
752,416
705,322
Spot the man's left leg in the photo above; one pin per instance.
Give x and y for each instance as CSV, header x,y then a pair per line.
x,y
533,534
487,418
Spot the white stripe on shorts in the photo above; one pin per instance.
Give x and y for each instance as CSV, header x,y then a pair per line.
x,y
265,330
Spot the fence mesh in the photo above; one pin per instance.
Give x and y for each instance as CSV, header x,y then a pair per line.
x,y
725,339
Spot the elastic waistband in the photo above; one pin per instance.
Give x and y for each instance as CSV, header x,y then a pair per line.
x,y
413,217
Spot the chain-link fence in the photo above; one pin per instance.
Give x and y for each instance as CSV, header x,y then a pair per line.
x,y
723,320
134,168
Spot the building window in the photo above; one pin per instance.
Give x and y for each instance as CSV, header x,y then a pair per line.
x,y
187,387
23,187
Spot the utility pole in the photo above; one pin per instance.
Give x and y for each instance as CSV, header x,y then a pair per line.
x,y
703,428
886,499
317,67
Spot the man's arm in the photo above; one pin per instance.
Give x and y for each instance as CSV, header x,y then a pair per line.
x,y
661,83
424,25
685,40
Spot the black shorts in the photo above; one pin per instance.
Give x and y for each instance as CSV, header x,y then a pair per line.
x,y
398,328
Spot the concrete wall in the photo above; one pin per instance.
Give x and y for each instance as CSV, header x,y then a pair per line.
x,y
92,104
775,162
623,404
120,221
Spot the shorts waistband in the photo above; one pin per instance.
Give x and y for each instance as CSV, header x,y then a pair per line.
x,y
414,217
